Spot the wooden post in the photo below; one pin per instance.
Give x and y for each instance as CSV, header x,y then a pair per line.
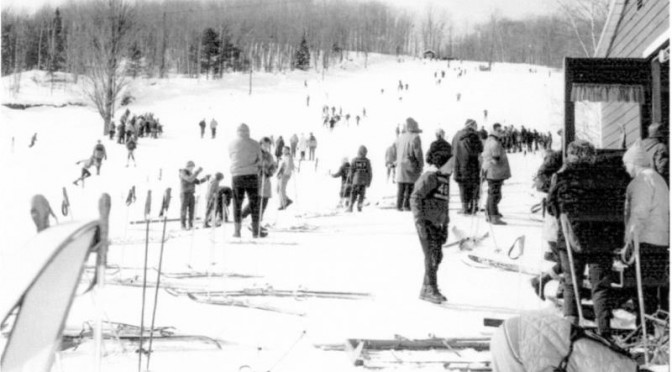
x,y
656,88
104,206
568,130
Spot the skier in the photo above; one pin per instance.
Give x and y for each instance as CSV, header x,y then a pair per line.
x,y
202,125
312,145
346,184
467,148
361,175
390,162
121,128
112,130
495,170
211,197
409,163
429,203
279,145
245,156
99,154
293,142
86,164
188,181
33,140
303,146
130,146
224,196
647,217
213,127
285,170
266,170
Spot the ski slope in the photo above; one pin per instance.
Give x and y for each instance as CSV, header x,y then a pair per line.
x,y
312,245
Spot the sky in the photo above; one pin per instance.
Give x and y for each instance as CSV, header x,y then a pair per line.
x,y
463,13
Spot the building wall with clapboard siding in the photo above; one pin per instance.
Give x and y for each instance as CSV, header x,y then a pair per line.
x,y
634,30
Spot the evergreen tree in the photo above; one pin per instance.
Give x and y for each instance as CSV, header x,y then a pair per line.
x,y
210,44
57,58
302,56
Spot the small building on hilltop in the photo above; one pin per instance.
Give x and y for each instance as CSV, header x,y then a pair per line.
x,y
629,75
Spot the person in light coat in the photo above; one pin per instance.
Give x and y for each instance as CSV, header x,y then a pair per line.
x,y
496,170
409,163
647,216
245,156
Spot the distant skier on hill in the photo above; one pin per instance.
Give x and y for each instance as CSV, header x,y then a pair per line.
x,y
361,175
112,130
99,154
202,125
86,164
33,140
213,128
293,143
279,145
312,145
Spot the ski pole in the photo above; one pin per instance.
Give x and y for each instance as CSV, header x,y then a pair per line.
x,y
148,205
104,205
261,201
566,231
164,212
640,297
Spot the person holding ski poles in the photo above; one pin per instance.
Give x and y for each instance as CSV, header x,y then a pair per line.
x,y
245,156
267,169
188,181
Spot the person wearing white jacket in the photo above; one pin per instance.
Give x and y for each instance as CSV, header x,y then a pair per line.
x,y
647,216
245,156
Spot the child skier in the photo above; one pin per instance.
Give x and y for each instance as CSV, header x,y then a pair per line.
x,y
361,175
86,164
130,146
284,174
346,183
429,203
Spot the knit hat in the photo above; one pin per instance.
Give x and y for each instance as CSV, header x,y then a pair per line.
x,y
219,176
637,156
412,126
243,130
362,151
580,150
190,164
470,123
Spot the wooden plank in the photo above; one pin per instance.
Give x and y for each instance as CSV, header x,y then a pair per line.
x,y
639,27
477,343
640,41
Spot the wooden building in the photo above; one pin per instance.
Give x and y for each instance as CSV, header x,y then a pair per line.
x,y
629,74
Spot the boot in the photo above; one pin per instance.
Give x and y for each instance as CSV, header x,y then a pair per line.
x,y
236,230
431,296
349,209
438,293
495,220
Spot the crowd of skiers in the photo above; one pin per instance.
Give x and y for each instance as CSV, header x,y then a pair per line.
x,y
331,118
133,127
597,202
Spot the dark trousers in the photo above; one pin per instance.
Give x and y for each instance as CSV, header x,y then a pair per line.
x,y
214,132
224,196
248,210
432,238
469,195
599,268
242,185
187,207
358,194
404,191
494,197
202,132
311,153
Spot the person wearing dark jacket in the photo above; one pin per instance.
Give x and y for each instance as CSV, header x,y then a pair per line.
x,y
188,181
130,146
279,145
361,176
202,125
429,203
439,145
589,191
656,147
409,163
346,183
467,147
99,154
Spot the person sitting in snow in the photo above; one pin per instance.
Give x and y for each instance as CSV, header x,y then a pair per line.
x,y
346,184
429,204
361,176
86,164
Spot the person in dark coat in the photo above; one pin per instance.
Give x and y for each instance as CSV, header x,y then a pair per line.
x,y
346,183
130,146
99,154
467,148
188,181
656,147
202,125
361,176
589,191
279,145
113,130
439,145
429,203
409,163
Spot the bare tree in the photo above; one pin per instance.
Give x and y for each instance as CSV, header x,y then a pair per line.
x,y
587,18
108,34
